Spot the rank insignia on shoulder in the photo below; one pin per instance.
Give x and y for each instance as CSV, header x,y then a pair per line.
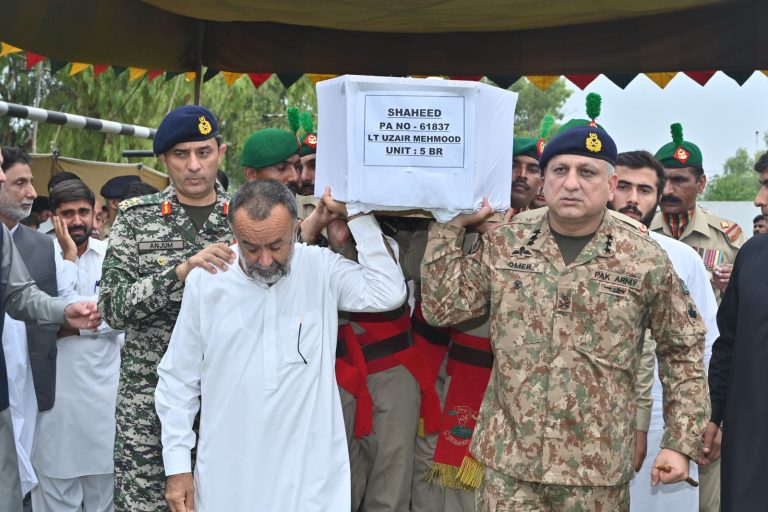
x,y
127,203
725,224
166,208
733,233
684,287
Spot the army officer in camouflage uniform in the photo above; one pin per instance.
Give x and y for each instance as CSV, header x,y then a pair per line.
x,y
155,241
570,292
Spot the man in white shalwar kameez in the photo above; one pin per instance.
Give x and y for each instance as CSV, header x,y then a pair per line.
x,y
73,458
257,344
641,182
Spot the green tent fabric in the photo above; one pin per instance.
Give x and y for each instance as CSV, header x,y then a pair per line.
x,y
398,37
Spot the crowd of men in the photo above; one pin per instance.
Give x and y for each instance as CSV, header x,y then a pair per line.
x,y
268,350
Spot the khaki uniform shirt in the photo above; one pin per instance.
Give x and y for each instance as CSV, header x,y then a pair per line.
x,y
716,239
560,404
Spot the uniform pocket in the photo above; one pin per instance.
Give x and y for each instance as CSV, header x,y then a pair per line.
x,y
516,308
605,336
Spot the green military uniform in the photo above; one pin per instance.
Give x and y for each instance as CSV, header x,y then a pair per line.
x,y
560,410
141,294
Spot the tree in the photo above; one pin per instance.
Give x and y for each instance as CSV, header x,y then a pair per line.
x,y
738,182
533,104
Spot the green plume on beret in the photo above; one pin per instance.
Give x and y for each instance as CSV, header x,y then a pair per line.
x,y
546,126
306,122
677,133
293,119
594,104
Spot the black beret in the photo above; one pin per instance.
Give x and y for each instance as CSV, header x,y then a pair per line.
x,y
591,141
188,123
114,188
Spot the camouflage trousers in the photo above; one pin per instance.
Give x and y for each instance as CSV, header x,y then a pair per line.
x,y
501,493
139,473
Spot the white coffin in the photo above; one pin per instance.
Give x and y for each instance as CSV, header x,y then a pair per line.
x,y
406,143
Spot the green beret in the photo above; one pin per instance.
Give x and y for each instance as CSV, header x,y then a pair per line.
x,y
269,146
594,106
679,153
525,146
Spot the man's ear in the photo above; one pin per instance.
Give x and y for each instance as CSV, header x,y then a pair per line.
x,y
702,182
250,173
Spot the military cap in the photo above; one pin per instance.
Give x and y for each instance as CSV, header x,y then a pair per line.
x,y
679,153
115,187
188,123
594,105
585,140
267,147
528,146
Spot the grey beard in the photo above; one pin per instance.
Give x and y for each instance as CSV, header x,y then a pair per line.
x,y
14,212
267,275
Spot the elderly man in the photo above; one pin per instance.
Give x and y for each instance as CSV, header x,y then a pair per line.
x,y
570,292
641,182
257,345
24,301
155,242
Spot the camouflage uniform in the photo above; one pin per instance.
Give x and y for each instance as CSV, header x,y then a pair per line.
x,y
560,408
141,294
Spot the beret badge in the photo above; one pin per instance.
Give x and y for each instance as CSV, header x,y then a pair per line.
x,y
204,126
593,143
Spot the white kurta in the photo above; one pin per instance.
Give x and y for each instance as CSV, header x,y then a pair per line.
x,y
272,434
21,387
681,496
76,437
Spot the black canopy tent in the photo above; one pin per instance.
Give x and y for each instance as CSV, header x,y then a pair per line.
x,y
505,39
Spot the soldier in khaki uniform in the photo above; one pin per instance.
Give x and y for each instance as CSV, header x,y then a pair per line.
x,y
570,292
155,242
716,239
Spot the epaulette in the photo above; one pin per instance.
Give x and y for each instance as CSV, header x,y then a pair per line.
x,y
635,224
731,230
530,216
127,204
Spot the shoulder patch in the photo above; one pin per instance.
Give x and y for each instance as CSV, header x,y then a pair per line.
x,y
142,200
636,225
529,216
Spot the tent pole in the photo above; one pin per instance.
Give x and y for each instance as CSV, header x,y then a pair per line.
x,y
199,60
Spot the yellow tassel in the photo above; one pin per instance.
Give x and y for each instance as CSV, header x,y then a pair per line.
x,y
470,474
421,432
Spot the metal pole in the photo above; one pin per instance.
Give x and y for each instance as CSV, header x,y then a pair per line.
x,y
74,121
199,60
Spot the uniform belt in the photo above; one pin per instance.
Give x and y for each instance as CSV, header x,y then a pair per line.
x,y
429,333
471,356
386,347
